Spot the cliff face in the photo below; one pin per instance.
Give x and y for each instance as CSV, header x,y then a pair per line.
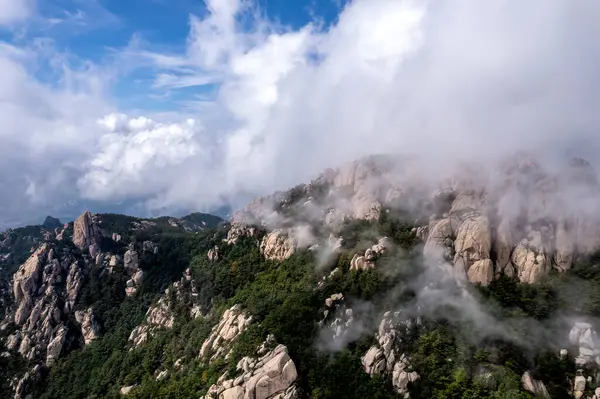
x,y
516,219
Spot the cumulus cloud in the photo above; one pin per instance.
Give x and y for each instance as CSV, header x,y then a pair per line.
x,y
467,78
276,105
131,149
14,11
46,130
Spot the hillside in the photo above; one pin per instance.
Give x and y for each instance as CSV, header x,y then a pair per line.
x,y
377,279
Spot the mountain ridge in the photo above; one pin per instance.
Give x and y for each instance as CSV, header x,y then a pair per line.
x,y
375,271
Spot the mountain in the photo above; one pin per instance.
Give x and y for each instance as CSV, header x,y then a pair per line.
x,y
386,277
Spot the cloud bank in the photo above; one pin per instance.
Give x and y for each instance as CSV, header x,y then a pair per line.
x,y
276,105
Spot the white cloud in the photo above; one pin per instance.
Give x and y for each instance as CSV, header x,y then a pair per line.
x,y
466,78
15,11
438,77
133,156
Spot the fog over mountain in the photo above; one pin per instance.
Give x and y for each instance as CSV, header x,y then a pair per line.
x,y
439,79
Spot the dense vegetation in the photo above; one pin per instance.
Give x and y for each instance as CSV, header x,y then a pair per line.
x,y
454,358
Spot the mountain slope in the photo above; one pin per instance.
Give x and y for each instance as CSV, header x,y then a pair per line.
x,y
370,281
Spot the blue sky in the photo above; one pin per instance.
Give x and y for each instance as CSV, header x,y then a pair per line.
x,y
171,106
97,30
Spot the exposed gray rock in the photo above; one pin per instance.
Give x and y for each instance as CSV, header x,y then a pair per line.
x,y
233,322
26,282
131,259
534,386
126,390
55,346
90,329
237,231
271,376
384,358
213,254
584,337
85,231
367,261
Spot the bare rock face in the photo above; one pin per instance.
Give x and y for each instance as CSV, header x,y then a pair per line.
x,y
278,245
384,358
45,289
158,316
534,386
131,259
473,242
90,329
55,346
126,390
213,254
481,272
237,231
23,385
523,215
233,322
26,283
85,231
132,266
583,336
270,376
337,317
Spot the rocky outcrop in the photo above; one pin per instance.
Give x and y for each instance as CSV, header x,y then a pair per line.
x,y
45,290
337,317
149,246
161,316
213,254
584,337
367,261
132,267
126,390
90,328
158,316
23,385
523,221
26,283
238,231
270,376
55,346
233,322
534,386
384,358
85,231
278,245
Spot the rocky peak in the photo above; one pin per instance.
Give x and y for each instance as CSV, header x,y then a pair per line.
x,y
85,231
51,223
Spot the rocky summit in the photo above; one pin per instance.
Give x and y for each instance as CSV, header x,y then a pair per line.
x,y
385,277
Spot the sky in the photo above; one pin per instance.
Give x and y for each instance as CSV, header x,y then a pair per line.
x,y
152,107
